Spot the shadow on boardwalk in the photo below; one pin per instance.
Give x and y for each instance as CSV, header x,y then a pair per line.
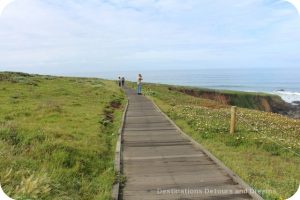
x,y
160,163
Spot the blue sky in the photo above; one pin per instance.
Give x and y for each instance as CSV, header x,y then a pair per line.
x,y
74,36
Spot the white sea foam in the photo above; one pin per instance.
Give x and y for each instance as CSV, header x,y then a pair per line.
x,y
287,96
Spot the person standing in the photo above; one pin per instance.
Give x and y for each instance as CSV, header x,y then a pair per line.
x,y
120,82
139,84
123,81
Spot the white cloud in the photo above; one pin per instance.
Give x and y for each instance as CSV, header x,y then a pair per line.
x,y
4,4
69,34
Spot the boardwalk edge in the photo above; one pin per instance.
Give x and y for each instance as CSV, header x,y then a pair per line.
x,y
118,154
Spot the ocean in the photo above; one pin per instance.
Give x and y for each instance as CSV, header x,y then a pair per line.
x,y
283,82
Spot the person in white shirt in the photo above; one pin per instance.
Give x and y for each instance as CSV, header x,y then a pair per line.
x,y
139,84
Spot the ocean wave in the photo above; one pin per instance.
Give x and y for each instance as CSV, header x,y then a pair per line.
x,y
288,96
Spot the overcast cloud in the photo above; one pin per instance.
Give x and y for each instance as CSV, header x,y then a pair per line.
x,y
54,36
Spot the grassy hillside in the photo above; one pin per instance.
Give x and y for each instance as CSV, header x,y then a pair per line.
x,y
265,151
57,136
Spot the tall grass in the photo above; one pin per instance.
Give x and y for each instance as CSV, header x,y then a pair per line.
x,y
53,143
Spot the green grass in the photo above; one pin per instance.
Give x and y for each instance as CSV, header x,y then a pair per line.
x,y
264,152
57,136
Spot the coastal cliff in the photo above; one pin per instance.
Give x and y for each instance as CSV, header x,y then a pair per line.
x,y
251,100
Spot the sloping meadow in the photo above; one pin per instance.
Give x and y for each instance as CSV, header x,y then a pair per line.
x,y
264,151
57,136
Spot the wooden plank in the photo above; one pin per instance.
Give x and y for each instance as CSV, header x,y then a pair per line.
x,y
158,156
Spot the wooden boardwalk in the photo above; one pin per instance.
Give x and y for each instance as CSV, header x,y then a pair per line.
x,y
160,163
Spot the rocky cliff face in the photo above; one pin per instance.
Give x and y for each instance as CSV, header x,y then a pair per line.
x,y
263,102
